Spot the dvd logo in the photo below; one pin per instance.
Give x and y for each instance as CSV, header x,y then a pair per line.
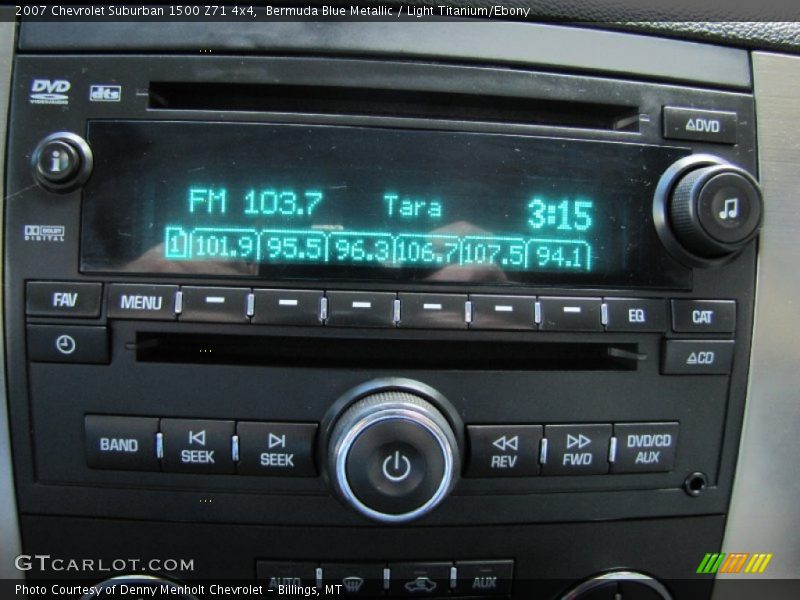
x,y
105,93
50,91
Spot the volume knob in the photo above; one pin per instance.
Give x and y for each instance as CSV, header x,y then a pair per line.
x,y
715,210
393,456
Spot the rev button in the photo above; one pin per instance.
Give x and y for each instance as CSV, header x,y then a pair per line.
x,y
197,446
278,449
503,450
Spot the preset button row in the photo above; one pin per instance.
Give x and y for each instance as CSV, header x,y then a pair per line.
x,y
585,449
377,309
200,446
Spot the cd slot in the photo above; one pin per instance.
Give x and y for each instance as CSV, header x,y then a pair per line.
x,y
166,95
371,353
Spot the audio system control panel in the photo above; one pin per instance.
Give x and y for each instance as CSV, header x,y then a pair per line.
x,y
504,297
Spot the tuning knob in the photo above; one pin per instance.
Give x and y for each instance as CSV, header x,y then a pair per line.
x,y
393,456
714,210
621,585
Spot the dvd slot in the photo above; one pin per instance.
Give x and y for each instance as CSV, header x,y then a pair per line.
x,y
331,100
395,354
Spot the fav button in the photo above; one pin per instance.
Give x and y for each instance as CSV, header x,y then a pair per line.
x,y
704,316
79,344
576,449
645,447
503,450
197,446
63,299
126,443
279,449
135,301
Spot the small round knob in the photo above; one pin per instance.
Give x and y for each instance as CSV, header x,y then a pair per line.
x,y
619,584
393,456
715,210
61,162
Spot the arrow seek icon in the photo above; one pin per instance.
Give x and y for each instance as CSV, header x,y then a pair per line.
x,y
580,441
507,443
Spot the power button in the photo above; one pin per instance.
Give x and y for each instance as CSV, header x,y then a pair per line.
x,y
61,162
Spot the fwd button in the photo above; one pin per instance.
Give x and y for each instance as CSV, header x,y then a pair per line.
x,y
576,449
197,446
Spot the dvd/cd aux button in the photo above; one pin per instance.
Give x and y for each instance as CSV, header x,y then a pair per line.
x,y
214,304
571,314
502,312
63,299
124,443
645,447
278,449
137,301
197,446
287,307
433,311
576,449
361,309
635,314
503,450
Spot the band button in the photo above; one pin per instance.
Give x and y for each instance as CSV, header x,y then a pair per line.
x,y
125,443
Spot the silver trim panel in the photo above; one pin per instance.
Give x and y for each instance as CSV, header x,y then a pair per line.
x,y
765,513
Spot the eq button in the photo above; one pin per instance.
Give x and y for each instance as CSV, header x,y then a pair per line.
x,y
631,314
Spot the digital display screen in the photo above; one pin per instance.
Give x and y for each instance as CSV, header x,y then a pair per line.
x,y
295,202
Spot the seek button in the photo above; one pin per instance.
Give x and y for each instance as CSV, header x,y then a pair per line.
x,y
279,449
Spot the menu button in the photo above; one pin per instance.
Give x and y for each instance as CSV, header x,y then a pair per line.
x,y
133,301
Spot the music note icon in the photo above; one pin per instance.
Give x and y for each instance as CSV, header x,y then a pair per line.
x,y
730,210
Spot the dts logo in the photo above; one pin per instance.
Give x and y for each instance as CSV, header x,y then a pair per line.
x,y
105,93
50,91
